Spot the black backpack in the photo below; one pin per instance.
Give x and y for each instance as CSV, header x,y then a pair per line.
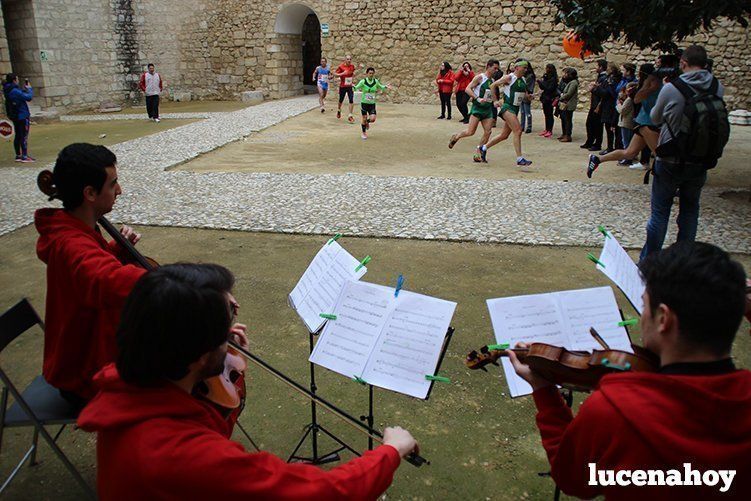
x,y
11,110
704,127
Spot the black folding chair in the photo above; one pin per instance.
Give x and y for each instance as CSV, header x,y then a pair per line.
x,y
39,405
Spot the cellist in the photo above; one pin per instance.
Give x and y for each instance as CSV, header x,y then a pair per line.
x,y
87,282
156,440
696,409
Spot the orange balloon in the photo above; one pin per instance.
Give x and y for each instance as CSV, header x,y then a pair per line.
x,y
574,46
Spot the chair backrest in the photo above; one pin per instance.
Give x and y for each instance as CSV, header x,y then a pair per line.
x,y
16,321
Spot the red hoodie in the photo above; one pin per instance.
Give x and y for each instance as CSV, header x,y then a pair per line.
x,y
86,289
639,421
161,443
462,80
445,82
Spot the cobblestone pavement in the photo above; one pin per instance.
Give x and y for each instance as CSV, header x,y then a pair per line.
x,y
513,211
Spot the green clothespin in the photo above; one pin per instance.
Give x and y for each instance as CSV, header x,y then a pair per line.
x,y
440,379
360,380
334,238
602,230
503,346
630,321
365,261
592,258
327,316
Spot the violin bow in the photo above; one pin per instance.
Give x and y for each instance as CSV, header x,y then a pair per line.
x,y
414,458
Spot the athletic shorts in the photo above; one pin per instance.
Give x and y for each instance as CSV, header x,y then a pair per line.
x,y
323,85
482,113
508,107
346,91
367,109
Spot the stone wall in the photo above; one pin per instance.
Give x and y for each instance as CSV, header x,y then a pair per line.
x,y
96,49
5,66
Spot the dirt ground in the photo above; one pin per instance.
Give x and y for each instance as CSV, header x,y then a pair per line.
x,y
471,431
407,140
166,106
47,139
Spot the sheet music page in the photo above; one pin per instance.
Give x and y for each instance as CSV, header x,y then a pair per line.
x,y
532,318
621,269
595,307
318,289
410,344
346,343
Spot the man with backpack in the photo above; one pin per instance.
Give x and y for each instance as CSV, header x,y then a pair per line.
x,y
17,111
694,129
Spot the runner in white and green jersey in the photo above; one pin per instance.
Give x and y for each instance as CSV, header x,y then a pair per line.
x,y
479,90
369,86
514,92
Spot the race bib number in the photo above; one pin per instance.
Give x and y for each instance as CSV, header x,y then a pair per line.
x,y
487,95
369,97
347,80
518,99
323,78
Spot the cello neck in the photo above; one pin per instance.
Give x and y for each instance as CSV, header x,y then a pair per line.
x,y
125,244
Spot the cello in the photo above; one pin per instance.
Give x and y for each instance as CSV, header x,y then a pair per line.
x,y
227,390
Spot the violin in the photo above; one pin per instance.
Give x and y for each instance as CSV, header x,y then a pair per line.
x,y
575,370
227,390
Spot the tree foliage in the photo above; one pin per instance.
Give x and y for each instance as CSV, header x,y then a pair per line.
x,y
658,24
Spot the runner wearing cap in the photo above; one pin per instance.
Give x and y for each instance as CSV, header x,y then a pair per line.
x,y
514,91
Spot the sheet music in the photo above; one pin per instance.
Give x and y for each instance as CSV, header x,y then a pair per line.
x,y
390,342
557,318
621,269
318,289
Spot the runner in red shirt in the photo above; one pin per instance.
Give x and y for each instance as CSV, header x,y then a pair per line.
x,y
696,409
156,441
346,74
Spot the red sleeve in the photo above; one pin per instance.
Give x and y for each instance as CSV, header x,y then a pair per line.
x,y
438,78
265,476
571,443
142,82
98,277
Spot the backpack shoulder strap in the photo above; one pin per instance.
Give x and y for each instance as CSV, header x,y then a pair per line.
x,y
685,89
714,86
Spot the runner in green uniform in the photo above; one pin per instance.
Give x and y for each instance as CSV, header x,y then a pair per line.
x,y
370,86
479,90
514,92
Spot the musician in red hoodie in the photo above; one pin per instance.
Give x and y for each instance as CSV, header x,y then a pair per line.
x,y
157,441
87,283
695,410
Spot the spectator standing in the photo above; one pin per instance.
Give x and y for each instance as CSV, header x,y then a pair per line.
x,y
629,75
530,79
567,103
462,78
17,110
594,119
445,81
626,122
152,84
608,114
549,94
677,170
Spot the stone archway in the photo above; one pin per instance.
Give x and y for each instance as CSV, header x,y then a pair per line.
x,y
285,64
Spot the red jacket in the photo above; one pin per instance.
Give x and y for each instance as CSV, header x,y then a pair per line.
x,y
86,289
161,443
651,421
445,82
463,81
142,82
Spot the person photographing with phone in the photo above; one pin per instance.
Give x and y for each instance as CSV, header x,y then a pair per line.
x,y
17,110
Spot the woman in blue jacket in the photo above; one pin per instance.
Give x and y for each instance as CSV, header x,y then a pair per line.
x,y
18,111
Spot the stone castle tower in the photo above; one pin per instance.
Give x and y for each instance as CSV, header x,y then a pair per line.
x,y
79,53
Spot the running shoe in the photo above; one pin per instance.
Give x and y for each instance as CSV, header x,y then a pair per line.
x,y
523,162
637,166
18,158
624,162
548,133
364,136
27,160
484,153
543,133
323,110
157,120
339,114
606,151
351,119
592,165
477,157
452,141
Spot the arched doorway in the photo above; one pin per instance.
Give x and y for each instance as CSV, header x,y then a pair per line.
x,y
293,51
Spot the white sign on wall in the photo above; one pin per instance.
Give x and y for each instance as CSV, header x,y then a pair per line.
x,y
324,30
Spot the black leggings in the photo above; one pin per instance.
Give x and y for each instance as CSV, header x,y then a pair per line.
x,y
461,103
445,104
547,109
567,122
21,139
